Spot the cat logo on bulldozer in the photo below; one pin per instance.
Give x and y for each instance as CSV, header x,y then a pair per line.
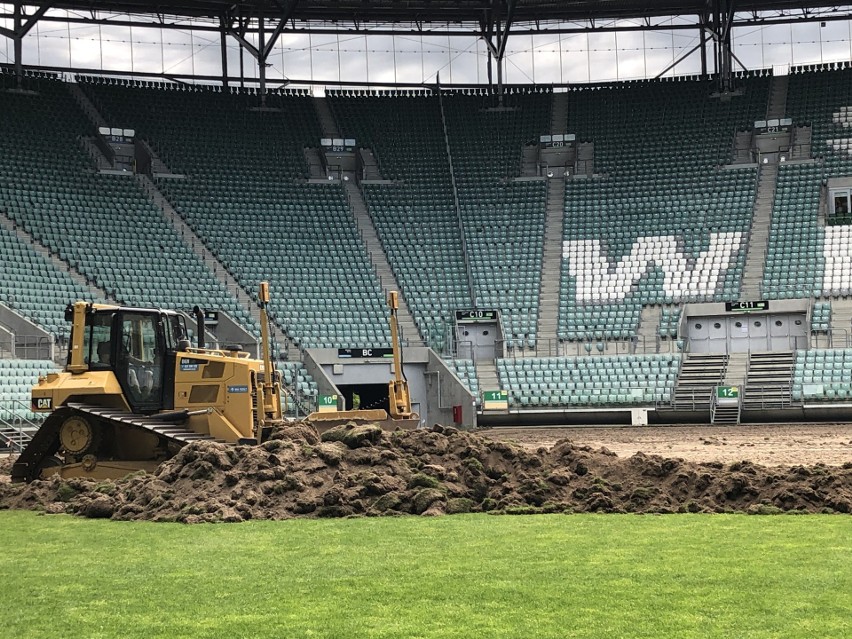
x,y
42,403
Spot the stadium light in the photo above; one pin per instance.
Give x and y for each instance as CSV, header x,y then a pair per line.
x,y
783,158
550,174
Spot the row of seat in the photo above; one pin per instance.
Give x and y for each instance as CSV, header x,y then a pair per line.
x,y
17,377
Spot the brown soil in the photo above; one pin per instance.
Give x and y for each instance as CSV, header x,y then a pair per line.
x,y
359,470
766,444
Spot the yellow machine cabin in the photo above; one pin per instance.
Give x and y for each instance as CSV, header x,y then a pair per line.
x,y
134,391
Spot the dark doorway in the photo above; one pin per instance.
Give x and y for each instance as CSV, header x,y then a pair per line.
x,y
372,396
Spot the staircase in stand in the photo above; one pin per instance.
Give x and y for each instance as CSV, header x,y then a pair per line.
x,y
86,105
725,413
213,264
769,381
486,375
367,230
370,165
841,323
699,376
60,264
800,142
758,238
559,113
316,171
777,107
649,328
551,270
328,125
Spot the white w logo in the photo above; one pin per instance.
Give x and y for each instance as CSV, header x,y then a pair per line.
x,y
599,280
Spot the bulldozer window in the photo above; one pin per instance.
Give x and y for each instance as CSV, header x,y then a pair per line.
x,y
140,360
175,332
97,341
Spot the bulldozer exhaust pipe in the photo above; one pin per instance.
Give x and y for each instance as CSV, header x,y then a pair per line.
x,y
199,320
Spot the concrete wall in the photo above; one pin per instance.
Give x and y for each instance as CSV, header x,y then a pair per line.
x,y
324,384
443,391
229,332
26,340
434,388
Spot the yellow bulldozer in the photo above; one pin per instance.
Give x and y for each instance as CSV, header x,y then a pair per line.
x,y
399,413
135,391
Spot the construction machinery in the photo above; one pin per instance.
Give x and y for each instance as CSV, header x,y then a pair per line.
x,y
134,391
399,413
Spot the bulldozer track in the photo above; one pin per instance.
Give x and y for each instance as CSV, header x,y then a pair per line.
x,y
45,443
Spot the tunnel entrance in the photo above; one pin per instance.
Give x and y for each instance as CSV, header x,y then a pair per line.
x,y
372,396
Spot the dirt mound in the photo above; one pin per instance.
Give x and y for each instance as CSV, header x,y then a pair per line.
x,y
359,470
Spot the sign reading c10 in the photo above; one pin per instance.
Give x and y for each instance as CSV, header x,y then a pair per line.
x,y
476,315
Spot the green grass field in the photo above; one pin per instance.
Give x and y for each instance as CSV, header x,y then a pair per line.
x,y
463,576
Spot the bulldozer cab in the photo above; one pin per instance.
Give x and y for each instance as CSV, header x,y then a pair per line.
x,y
139,346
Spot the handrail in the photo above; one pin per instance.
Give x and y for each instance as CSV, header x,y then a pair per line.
x,y
831,341
465,253
16,346
19,439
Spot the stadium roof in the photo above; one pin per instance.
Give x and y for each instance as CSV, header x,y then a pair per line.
x,y
436,11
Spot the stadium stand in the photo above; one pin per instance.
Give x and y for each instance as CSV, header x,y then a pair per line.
x,y
795,263
34,287
102,225
302,388
802,259
503,220
245,194
415,216
823,375
674,221
597,381
669,320
663,221
465,370
17,376
821,317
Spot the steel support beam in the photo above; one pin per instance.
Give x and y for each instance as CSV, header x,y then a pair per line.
x,y
362,28
723,18
18,41
223,45
261,60
495,30
21,26
264,47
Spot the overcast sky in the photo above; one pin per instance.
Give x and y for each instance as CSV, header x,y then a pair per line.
x,y
544,59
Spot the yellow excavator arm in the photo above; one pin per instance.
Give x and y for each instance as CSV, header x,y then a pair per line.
x,y
400,398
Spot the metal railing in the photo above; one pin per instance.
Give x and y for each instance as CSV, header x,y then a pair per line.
x,y
780,396
832,338
16,423
27,346
447,345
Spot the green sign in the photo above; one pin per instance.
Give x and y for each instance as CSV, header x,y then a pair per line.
x,y
327,403
495,400
495,396
728,392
